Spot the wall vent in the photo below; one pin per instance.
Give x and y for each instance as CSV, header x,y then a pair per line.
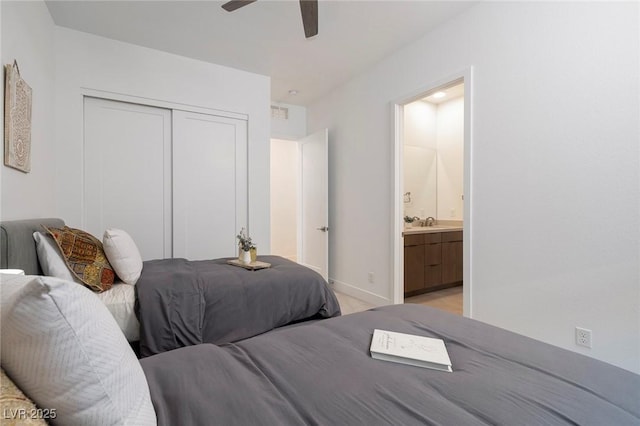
x,y
279,112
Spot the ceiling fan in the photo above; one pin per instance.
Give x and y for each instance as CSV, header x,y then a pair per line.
x,y
308,9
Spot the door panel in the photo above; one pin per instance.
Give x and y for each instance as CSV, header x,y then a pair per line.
x,y
314,203
127,166
209,185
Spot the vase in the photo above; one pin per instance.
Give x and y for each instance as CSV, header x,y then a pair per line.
x,y
254,254
246,256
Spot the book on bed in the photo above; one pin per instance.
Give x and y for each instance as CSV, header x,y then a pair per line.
x,y
409,349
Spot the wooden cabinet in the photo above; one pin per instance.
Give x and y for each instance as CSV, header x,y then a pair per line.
x,y
452,258
432,261
413,263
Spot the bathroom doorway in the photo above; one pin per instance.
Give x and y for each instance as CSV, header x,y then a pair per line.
x,y
432,221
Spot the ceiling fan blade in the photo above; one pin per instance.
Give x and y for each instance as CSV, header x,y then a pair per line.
x,y
309,10
232,5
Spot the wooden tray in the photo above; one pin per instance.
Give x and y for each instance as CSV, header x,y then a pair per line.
x,y
253,266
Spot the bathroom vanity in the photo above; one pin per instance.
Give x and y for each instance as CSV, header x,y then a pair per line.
x,y
432,258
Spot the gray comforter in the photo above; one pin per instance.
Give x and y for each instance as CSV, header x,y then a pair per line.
x,y
322,374
182,303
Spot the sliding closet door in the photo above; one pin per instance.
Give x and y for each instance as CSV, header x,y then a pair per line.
x,y
209,184
127,173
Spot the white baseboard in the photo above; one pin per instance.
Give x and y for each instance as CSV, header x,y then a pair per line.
x,y
358,293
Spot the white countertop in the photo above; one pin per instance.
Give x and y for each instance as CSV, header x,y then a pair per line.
x,y
431,229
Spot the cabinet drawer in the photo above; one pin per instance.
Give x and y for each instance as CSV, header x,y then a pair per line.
x,y
432,238
451,236
413,240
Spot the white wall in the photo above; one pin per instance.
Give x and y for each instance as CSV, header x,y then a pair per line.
x,y
556,181
294,127
450,138
85,61
27,36
420,124
284,196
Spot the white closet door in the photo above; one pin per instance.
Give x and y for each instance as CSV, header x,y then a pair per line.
x,y
210,200
127,173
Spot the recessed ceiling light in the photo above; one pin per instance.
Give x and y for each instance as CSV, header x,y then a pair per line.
x,y
439,95
293,92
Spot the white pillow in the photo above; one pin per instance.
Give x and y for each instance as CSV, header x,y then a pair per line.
x,y
120,300
50,258
123,254
63,348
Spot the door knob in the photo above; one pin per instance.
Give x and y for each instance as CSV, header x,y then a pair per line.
x,y
323,229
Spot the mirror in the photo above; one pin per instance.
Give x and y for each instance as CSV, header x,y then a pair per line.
x,y
420,181
434,155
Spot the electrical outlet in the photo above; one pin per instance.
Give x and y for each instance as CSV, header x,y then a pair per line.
x,y
452,213
331,281
371,277
583,337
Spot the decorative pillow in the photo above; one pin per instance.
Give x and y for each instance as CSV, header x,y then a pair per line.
x,y
85,257
17,408
63,348
51,261
123,254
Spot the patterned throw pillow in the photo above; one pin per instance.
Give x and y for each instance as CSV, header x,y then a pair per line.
x,y
85,257
16,408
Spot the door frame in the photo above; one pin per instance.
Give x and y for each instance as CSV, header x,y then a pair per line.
x,y
397,112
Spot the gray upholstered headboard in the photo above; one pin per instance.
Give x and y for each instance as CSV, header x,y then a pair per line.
x,y
17,247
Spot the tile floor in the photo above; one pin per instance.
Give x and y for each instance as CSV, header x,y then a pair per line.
x,y
449,300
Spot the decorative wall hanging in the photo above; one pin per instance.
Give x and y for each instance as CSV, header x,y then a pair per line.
x,y
17,120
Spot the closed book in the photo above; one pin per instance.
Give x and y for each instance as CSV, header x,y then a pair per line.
x,y
419,351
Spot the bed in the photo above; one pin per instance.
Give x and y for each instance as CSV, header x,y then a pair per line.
x,y
184,303
176,302
315,373
318,373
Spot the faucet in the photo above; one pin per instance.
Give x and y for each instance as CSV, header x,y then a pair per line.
x,y
429,221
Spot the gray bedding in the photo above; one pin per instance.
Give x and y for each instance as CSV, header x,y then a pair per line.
x,y
322,374
182,303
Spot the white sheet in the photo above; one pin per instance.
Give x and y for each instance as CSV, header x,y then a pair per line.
x,y
119,300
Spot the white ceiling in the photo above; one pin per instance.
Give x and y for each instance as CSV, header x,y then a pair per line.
x,y
449,93
266,37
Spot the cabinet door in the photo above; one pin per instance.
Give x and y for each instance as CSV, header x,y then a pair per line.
x,y
452,268
209,185
432,276
413,268
127,173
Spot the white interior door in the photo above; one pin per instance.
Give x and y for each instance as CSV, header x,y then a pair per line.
x,y
210,194
313,199
127,173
